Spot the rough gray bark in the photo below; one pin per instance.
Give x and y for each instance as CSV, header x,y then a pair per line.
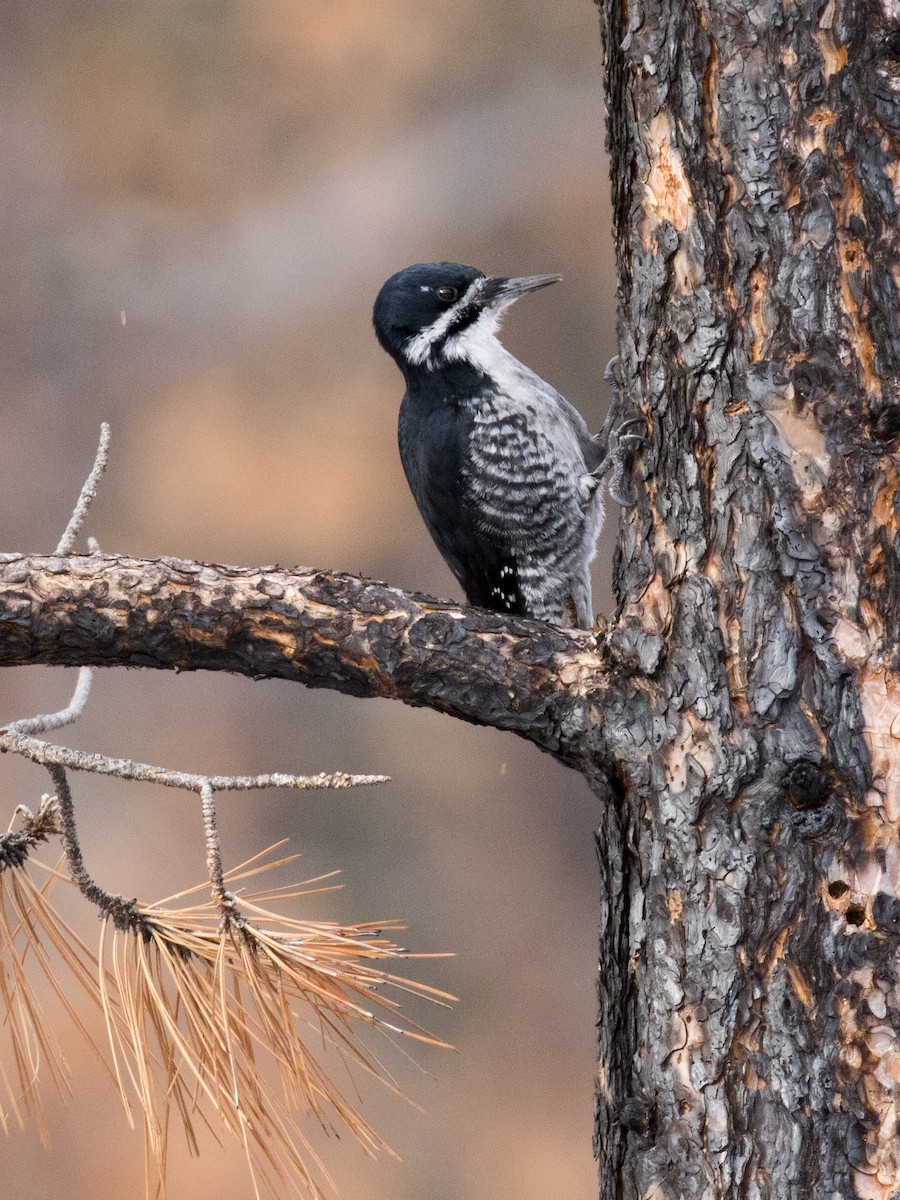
x,y
754,162
740,716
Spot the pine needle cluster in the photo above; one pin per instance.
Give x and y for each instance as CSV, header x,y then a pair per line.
x,y
218,1017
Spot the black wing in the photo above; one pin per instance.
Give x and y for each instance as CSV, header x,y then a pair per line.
x,y
434,439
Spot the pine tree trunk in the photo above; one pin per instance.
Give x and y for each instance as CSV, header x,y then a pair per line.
x,y
749,972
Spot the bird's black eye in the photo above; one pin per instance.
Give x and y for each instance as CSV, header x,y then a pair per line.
x,y
447,294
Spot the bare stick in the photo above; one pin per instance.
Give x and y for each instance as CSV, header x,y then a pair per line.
x,y
69,836
125,914
124,768
75,707
226,900
65,716
213,842
88,493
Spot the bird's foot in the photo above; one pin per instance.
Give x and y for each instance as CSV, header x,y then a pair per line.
x,y
625,440
617,463
627,443
612,377
601,626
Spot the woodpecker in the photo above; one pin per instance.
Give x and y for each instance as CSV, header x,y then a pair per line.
x,y
505,472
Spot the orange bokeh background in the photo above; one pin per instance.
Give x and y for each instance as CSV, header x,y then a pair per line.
x,y
200,201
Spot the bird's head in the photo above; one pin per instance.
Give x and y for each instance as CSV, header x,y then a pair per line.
x,y
424,314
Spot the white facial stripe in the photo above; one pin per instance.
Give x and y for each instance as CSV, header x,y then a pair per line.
x,y
478,344
418,349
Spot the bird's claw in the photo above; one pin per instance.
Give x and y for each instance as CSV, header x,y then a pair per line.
x,y
624,430
614,487
625,440
612,425
618,460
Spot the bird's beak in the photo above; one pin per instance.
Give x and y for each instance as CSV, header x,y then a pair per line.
x,y
498,292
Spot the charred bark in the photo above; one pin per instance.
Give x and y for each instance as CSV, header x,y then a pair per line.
x,y
313,627
754,163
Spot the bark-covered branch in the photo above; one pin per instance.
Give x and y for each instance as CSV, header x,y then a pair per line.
x,y
315,627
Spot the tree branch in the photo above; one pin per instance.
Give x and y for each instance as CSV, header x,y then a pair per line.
x,y
317,628
11,740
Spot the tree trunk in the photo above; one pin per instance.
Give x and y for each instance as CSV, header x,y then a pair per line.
x,y
740,717
750,999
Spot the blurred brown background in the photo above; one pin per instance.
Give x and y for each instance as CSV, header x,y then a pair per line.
x,y
200,201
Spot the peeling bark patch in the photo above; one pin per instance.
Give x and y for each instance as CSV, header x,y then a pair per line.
x,y
880,696
675,904
668,192
854,270
762,314
807,454
689,755
834,54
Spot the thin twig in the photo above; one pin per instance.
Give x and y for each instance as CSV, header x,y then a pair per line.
x,y
125,914
124,768
226,900
75,707
213,842
74,858
88,493
65,716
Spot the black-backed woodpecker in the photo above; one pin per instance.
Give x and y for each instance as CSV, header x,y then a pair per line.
x,y
504,471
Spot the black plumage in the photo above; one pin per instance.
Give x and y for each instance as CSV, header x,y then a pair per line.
x,y
504,471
